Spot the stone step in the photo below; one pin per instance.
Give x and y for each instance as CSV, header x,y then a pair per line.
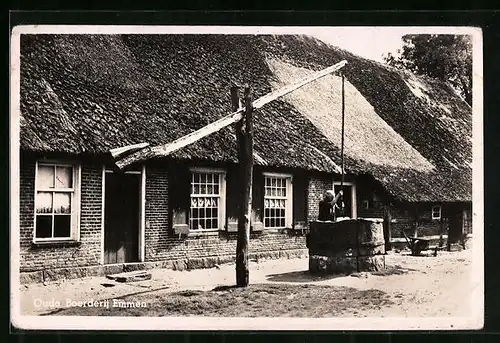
x,y
138,275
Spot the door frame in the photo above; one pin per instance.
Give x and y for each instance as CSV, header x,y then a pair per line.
x,y
354,209
142,211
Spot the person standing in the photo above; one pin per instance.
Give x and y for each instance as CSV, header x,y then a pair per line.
x,y
327,206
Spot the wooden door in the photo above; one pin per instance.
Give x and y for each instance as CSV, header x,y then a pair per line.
x,y
121,217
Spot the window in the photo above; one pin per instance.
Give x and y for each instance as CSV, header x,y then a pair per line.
x,y
277,201
207,200
56,201
436,212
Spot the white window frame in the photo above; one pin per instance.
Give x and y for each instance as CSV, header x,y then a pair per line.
x,y
354,211
221,215
75,201
288,198
432,212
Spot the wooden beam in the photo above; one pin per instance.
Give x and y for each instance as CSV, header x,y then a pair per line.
x,y
137,156
387,226
166,149
244,132
117,152
236,115
302,82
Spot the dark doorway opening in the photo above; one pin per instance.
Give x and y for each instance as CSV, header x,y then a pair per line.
x,y
121,217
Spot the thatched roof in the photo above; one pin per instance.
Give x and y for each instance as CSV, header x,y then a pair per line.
x,y
92,93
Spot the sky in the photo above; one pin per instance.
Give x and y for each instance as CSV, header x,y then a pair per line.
x,y
374,42
370,43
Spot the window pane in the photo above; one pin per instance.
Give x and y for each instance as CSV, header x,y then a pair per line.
x,y
62,226
44,202
210,189
203,189
43,226
62,203
64,177
273,182
216,189
45,177
194,225
282,222
215,224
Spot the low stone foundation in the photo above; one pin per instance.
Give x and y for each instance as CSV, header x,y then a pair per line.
x,y
57,274
347,265
347,246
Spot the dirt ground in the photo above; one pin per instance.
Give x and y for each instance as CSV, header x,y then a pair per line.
x,y
411,286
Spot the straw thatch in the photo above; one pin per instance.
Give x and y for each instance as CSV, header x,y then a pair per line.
x,y
92,93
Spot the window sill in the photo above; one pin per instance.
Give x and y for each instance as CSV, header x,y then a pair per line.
x,y
62,243
193,233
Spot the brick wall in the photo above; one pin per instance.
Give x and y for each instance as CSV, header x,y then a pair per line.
x,y
160,242
163,245
223,244
85,253
157,215
318,185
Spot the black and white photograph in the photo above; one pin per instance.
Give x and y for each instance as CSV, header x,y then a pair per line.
x,y
246,178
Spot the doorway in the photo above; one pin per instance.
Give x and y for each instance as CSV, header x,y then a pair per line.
x,y
122,214
349,200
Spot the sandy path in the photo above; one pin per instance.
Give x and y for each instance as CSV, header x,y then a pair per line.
x,y
422,286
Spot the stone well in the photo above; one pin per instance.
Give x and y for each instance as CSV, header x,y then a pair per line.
x,y
346,246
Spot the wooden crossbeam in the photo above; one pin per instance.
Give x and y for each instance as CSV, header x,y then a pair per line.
x,y
296,85
117,152
164,150
168,148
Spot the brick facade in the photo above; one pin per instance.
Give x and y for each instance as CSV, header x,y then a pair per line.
x,y
158,243
318,185
162,247
87,251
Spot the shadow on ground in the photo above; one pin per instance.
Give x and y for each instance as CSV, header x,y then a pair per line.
x,y
302,276
306,276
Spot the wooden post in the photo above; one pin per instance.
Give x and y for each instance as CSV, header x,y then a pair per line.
x,y
342,209
387,226
244,133
441,228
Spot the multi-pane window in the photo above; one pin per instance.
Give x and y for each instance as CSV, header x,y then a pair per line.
x,y
206,192
277,200
55,201
436,212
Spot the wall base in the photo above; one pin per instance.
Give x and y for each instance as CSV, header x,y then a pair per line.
x,y
57,274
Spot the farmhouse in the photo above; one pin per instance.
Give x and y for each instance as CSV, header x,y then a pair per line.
x,y
408,150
